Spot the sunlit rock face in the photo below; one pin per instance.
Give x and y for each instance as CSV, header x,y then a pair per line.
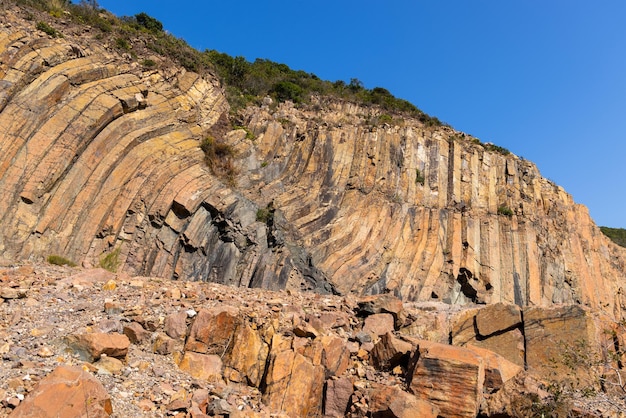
x,y
101,157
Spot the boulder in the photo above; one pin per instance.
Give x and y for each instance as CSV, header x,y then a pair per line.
x,y
176,325
393,402
213,330
449,377
67,392
559,342
385,303
91,346
136,333
293,384
378,324
390,352
202,366
337,396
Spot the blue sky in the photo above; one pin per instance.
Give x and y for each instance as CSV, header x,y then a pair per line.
x,y
545,79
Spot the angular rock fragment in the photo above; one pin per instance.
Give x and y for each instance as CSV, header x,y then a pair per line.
x,y
67,392
91,346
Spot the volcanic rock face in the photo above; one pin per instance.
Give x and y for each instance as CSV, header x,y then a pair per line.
x,y
100,157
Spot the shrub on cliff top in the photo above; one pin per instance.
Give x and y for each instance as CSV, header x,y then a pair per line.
x,y
617,235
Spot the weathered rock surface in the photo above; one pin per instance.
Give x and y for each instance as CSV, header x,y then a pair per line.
x,y
67,392
245,358
100,158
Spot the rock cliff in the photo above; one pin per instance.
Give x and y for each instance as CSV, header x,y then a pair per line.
x,y
100,159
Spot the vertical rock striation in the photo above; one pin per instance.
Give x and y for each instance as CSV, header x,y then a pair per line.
x,y
100,158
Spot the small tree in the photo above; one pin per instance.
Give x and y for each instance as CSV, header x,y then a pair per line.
x,y
149,22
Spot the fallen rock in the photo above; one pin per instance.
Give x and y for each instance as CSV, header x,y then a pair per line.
x,y
293,384
449,377
213,329
378,324
90,347
393,402
202,366
136,333
385,303
390,352
176,325
337,396
67,392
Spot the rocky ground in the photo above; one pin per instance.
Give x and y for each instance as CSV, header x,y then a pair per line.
x,y
46,306
189,349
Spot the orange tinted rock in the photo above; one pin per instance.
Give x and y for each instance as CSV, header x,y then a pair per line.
x,y
91,346
213,329
335,355
501,331
294,385
497,318
67,392
498,370
451,378
248,354
390,352
393,402
202,366
550,332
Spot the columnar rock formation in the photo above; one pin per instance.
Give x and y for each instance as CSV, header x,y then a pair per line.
x,y
100,157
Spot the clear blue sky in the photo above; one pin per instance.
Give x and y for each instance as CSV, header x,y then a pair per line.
x,y
545,79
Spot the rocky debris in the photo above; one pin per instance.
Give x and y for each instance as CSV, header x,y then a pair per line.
x,y
240,355
67,392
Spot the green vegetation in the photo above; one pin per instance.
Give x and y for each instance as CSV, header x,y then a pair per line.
x,y
148,63
219,156
496,148
58,260
263,215
617,235
111,261
419,177
505,210
246,82
249,134
44,27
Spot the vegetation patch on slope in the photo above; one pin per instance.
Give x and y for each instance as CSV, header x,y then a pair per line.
x,y
617,235
246,82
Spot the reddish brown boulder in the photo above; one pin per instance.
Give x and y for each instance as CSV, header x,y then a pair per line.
x,y
335,355
337,396
136,333
248,354
67,392
390,352
393,402
558,340
293,384
202,366
176,325
378,324
449,377
91,346
213,330
497,318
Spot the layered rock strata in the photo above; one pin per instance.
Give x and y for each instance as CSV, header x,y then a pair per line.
x,y
100,160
